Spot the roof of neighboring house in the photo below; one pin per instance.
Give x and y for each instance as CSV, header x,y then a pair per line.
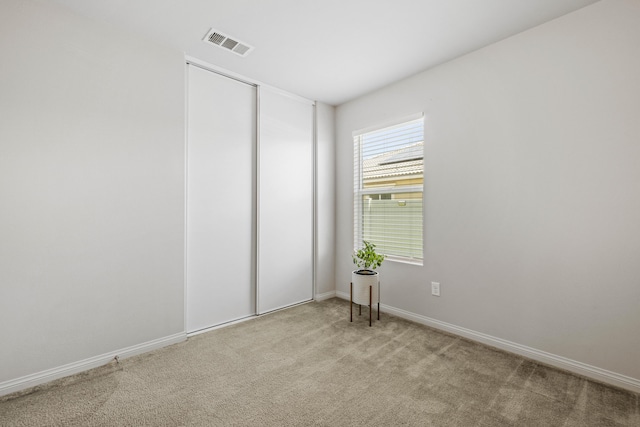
x,y
404,161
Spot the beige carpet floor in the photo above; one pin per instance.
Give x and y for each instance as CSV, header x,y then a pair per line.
x,y
308,365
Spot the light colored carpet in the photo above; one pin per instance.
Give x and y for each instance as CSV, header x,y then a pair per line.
x,y
309,366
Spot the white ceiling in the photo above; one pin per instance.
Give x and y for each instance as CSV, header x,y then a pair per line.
x,y
328,50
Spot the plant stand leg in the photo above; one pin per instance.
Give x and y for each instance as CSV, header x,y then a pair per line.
x,y
351,303
370,303
359,309
378,299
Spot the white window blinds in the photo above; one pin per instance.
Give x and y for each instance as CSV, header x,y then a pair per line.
x,y
388,189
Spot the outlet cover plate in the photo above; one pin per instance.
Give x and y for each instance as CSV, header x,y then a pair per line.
x,y
435,289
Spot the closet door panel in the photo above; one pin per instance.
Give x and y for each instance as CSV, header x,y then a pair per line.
x,y
221,241
285,243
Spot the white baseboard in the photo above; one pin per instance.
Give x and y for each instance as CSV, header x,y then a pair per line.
x,y
324,296
570,365
11,386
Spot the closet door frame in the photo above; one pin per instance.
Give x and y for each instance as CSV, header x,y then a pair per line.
x,y
191,61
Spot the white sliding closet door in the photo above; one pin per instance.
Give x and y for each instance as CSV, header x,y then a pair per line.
x,y
285,237
221,230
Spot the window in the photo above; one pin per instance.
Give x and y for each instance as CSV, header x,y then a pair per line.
x,y
388,183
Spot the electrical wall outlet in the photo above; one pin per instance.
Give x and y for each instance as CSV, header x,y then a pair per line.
x,y
435,288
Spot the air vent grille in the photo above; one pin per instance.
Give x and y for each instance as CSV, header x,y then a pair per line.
x,y
241,49
227,43
216,38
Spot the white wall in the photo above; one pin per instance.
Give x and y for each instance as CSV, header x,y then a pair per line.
x,y
325,200
532,189
91,189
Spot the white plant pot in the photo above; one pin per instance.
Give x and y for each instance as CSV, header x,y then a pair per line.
x,y
361,284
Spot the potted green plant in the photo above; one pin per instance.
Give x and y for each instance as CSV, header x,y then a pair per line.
x,y
365,282
367,259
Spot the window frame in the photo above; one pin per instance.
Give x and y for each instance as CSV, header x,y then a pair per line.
x,y
359,190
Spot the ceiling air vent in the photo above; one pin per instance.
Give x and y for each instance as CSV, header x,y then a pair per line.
x,y
227,43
